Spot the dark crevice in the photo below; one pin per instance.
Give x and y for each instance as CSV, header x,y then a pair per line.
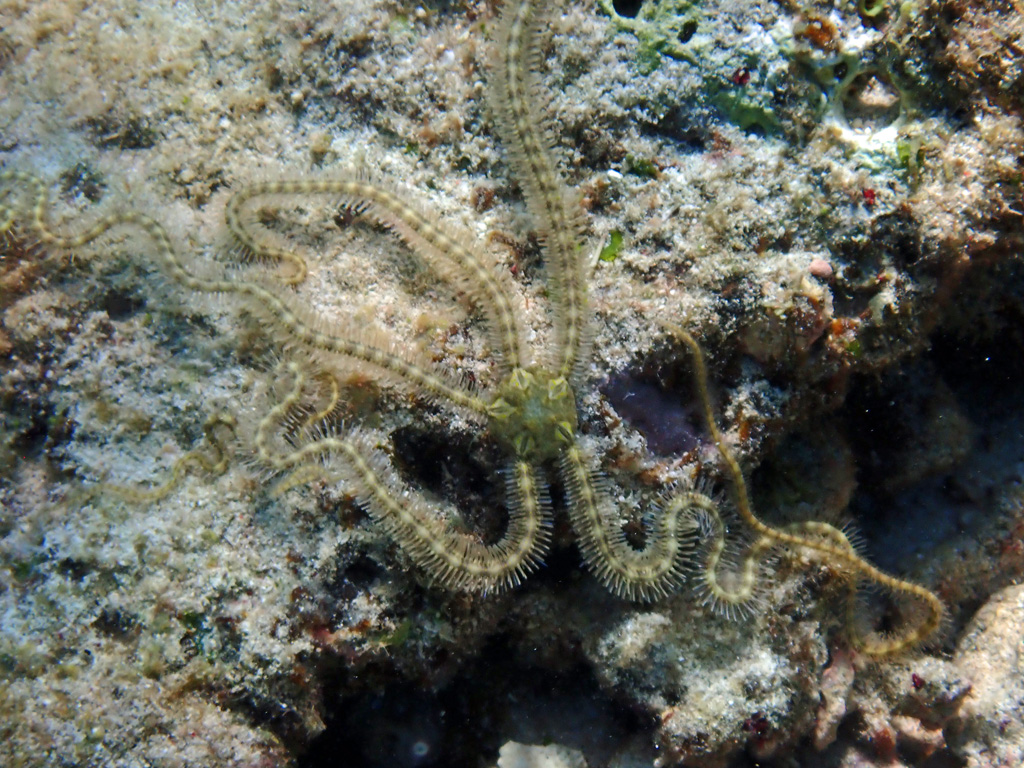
x,y
628,9
464,723
458,469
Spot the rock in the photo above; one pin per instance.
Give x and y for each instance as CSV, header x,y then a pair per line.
x,y
990,731
515,755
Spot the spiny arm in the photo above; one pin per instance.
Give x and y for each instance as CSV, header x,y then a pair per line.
x,y
452,254
819,539
457,560
636,574
519,119
292,322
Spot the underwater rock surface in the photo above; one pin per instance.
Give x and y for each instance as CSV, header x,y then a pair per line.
x,y
829,198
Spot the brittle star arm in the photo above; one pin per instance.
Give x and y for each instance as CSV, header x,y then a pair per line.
x,y
451,254
292,322
822,540
645,573
295,325
516,103
458,560
8,204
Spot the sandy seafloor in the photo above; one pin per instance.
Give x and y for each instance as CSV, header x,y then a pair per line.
x,y
828,195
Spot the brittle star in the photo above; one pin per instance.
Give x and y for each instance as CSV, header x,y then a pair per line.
x,y
531,411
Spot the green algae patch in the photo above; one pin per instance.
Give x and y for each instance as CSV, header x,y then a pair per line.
x,y
612,248
662,27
